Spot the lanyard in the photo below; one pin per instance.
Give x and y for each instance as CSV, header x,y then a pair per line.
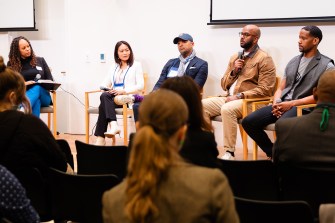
x,y
120,84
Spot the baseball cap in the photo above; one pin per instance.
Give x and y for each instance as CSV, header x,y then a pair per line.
x,y
183,36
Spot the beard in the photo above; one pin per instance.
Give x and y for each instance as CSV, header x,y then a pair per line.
x,y
246,45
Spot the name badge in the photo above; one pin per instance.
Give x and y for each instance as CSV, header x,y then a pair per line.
x,y
173,72
38,68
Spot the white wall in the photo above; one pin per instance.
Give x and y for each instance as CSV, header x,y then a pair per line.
x,y
72,34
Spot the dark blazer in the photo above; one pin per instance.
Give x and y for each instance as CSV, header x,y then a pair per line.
x,y
45,72
301,142
200,148
197,69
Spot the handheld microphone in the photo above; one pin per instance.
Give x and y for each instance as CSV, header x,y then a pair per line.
x,y
240,54
241,57
105,88
37,77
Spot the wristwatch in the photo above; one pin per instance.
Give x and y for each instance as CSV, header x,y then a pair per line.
x,y
240,95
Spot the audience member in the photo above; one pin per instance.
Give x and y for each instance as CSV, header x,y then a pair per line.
x,y
301,76
308,141
14,204
25,141
200,147
160,186
251,73
186,64
23,60
125,76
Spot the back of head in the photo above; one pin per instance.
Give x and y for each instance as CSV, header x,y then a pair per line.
x,y
314,31
161,114
325,88
11,81
186,87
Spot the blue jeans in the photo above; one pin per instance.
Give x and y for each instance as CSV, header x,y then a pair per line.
x,y
255,122
38,97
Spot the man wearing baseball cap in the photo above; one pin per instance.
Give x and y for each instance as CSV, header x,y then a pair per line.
x,y
186,64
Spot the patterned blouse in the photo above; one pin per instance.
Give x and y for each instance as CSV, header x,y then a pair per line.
x,y
14,204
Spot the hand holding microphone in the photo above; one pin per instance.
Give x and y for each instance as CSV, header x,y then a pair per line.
x,y
37,77
239,63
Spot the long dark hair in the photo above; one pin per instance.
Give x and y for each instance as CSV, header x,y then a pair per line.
x,y
116,56
189,91
15,56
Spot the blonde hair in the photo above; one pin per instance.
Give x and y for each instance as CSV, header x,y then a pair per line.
x,y
13,81
161,115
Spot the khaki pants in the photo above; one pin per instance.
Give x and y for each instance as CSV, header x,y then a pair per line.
x,y
230,112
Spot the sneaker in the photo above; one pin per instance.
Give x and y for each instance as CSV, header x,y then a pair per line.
x,y
113,131
228,156
124,99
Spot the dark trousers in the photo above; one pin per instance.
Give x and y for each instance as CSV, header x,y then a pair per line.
x,y
106,113
136,105
255,122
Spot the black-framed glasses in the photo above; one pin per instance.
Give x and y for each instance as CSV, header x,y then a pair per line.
x,y
245,34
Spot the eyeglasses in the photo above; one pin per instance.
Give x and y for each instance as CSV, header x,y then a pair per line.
x,y
245,34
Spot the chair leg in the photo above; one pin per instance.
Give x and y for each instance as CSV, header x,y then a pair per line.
x,y
54,120
255,151
54,124
244,142
49,121
87,126
125,124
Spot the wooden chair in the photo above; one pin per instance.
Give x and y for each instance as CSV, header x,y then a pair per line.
x,y
245,105
273,211
252,179
78,197
52,109
124,111
92,159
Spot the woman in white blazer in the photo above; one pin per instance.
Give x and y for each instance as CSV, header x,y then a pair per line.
x,y
125,76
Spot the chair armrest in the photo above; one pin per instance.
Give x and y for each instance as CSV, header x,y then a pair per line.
x,y
254,102
89,92
300,107
87,98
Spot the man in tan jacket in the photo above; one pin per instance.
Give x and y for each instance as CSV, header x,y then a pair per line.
x,y
251,73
